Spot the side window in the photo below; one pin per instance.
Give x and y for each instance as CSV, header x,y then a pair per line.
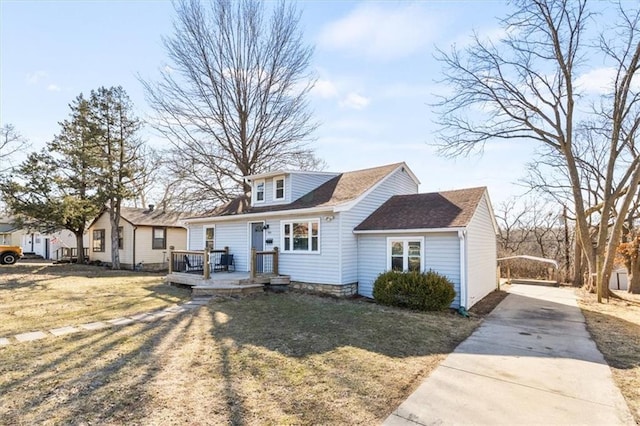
x,y
405,254
209,233
120,237
159,238
259,191
278,188
98,240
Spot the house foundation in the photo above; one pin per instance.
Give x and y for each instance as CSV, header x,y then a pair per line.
x,y
338,290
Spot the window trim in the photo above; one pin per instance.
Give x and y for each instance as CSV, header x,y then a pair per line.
x,y
275,188
264,191
103,240
153,238
405,254
204,236
309,222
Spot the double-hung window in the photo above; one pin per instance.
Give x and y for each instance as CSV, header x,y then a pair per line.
x,y
301,236
120,237
259,198
278,188
405,254
159,238
209,233
98,240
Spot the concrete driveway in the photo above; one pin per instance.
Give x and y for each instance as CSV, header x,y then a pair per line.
x,y
531,361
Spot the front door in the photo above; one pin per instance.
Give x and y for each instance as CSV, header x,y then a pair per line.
x,y
257,242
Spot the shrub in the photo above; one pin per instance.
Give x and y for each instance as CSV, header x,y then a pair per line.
x,y
425,292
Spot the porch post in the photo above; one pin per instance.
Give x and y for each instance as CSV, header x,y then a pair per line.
x,y
252,270
206,267
275,260
170,260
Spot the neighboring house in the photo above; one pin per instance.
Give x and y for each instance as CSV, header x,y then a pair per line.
x,y
146,236
47,246
337,231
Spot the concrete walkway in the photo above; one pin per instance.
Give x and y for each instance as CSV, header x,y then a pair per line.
x,y
149,317
531,361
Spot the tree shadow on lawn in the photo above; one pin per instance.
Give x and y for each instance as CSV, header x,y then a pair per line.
x,y
100,379
301,325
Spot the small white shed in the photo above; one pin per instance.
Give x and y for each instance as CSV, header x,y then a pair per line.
x,y
619,279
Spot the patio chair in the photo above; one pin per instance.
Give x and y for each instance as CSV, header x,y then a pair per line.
x,y
225,263
188,267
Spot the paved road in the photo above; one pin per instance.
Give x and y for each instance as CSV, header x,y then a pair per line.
x,y
531,361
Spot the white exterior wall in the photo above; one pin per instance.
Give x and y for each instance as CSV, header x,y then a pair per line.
x,y
315,268
196,235
398,183
101,223
320,268
441,253
619,279
481,254
176,237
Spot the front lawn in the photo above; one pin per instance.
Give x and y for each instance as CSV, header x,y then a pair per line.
x,y
266,359
41,296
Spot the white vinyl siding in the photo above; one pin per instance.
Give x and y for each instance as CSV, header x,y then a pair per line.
x,y
481,254
196,236
441,254
318,268
235,236
176,237
398,183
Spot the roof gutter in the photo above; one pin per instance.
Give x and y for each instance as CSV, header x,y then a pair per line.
x,y
411,231
259,215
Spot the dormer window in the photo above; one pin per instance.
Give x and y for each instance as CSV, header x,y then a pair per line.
x,y
278,188
259,191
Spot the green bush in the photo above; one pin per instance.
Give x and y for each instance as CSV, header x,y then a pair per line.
x,y
425,292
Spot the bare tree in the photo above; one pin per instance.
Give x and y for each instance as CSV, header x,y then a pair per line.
x,y
233,99
11,143
524,88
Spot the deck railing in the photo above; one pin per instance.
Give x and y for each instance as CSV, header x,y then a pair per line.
x,y
199,262
264,262
70,253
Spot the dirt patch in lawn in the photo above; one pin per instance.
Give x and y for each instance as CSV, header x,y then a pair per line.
x,y
41,296
266,359
615,327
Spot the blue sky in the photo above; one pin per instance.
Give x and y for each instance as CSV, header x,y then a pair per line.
x,y
374,62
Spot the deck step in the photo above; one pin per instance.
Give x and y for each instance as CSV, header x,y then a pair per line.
x,y
226,290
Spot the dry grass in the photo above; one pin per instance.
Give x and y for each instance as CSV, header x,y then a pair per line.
x,y
266,359
615,326
41,296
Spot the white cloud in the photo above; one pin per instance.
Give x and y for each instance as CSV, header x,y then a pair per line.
x,y
324,89
354,101
54,88
381,32
597,81
36,77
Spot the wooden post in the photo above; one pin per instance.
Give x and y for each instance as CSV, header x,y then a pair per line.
x,y
207,266
275,261
170,261
252,271
226,252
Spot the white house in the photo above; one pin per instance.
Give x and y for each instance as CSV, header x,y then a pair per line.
x,y
33,242
337,231
145,237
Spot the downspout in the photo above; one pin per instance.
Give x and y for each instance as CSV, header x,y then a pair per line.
x,y
133,255
463,268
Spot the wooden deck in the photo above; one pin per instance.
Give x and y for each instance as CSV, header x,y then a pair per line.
x,y
221,283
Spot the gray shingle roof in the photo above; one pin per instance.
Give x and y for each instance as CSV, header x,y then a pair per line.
x,y
156,217
341,189
447,209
